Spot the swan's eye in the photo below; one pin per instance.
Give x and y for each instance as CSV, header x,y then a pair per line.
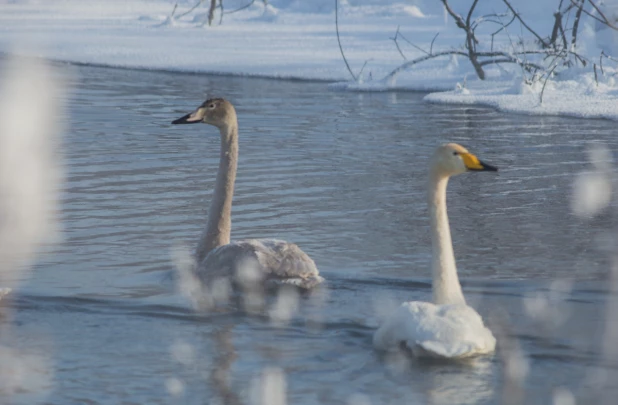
x,y
211,106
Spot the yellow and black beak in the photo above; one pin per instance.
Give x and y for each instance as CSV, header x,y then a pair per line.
x,y
193,118
474,164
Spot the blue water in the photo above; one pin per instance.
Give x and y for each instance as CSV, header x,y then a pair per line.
x,y
343,175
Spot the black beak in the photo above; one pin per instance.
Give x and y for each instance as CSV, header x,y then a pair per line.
x,y
186,120
487,167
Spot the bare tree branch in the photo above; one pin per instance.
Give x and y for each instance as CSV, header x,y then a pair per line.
x,y
578,15
468,26
545,82
413,62
397,44
174,10
503,27
563,36
527,65
603,18
399,34
196,5
211,11
551,53
516,14
240,8
363,68
471,40
487,18
339,41
609,57
432,41
556,28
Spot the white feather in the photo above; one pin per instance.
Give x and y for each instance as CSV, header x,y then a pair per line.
x,y
446,328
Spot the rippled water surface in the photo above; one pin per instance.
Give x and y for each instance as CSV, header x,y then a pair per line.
x,y
342,175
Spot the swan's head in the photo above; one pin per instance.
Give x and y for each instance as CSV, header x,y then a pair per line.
x,y
214,111
451,159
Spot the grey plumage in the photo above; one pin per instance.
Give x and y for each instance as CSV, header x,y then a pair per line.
x,y
248,263
267,261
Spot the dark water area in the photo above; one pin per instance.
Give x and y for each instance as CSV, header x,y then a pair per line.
x,y
343,175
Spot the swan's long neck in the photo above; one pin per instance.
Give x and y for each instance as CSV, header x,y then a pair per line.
x,y
217,232
445,283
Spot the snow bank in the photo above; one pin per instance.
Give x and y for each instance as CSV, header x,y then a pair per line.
x,y
296,39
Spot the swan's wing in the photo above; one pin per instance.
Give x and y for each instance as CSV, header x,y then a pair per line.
x,y
285,262
276,262
225,261
446,331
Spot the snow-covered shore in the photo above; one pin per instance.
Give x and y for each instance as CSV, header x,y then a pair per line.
x,y
296,39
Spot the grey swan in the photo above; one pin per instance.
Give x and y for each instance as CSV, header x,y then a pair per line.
x,y
275,262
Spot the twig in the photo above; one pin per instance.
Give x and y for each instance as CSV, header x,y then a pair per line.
x,y
339,41
240,8
397,44
555,29
609,57
211,11
191,9
546,79
363,68
524,24
526,65
503,27
596,78
508,35
413,45
174,10
422,59
488,18
603,54
469,27
399,34
471,40
563,35
604,19
432,41
458,19
578,15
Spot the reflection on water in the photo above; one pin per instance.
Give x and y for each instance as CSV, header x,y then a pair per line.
x,y
343,175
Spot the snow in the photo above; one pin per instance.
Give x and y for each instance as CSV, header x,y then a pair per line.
x,y
296,39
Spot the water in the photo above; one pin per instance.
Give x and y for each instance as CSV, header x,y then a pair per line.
x,y
342,175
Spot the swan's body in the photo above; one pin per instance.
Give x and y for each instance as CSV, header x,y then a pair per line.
x,y
275,261
446,328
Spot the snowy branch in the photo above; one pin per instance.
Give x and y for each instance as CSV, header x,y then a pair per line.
x,y
523,23
413,62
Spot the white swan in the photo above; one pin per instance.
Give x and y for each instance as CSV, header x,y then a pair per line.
x,y
276,261
446,328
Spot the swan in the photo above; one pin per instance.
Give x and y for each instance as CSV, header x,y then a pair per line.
x,y
446,327
276,262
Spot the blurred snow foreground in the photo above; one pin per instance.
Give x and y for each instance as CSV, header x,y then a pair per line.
x,y
592,190
30,171
31,108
